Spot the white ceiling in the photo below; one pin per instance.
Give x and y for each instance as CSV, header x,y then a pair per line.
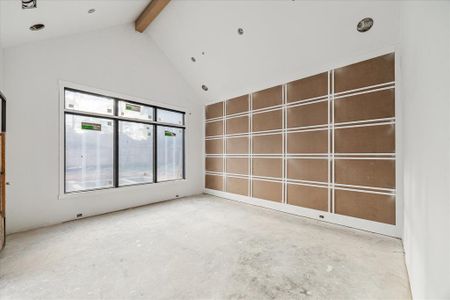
x,y
63,17
283,40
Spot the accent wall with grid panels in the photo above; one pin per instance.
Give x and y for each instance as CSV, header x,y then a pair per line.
x,y
325,142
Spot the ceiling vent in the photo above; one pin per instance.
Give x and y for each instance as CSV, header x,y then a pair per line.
x,y
28,4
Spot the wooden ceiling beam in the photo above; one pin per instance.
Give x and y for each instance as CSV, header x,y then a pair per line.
x,y
149,14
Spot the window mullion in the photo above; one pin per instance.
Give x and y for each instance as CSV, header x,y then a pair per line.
x,y
116,146
155,148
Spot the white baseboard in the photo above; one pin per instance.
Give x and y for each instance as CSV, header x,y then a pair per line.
x,y
381,228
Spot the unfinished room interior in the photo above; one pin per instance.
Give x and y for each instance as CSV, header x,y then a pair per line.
x,y
217,149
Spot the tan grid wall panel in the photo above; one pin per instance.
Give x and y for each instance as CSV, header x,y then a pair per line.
x,y
271,120
308,196
267,190
268,97
373,71
237,186
237,105
309,87
365,139
214,164
236,165
308,115
372,173
214,146
214,111
237,125
214,182
325,142
308,142
368,106
214,128
268,144
268,167
237,145
314,169
374,207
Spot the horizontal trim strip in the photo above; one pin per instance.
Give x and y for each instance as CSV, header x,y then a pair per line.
x,y
339,97
288,104
370,87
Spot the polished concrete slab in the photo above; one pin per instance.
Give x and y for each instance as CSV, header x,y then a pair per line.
x,y
201,247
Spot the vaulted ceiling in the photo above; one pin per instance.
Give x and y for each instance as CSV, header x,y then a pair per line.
x,y
281,41
63,17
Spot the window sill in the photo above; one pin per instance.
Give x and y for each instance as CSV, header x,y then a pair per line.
x,y
109,191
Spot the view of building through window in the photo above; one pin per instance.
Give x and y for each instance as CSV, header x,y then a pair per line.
x,y
170,153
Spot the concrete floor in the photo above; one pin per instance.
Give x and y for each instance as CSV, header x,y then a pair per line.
x,y
201,247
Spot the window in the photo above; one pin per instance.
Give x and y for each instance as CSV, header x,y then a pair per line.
x,y
111,143
170,153
135,153
89,103
167,116
89,153
135,111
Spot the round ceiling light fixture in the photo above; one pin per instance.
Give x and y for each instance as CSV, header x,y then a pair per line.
x,y
205,88
193,59
91,11
37,27
240,31
364,25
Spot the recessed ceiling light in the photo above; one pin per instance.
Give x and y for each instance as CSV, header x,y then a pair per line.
x,y
364,25
27,4
193,59
91,11
37,27
205,88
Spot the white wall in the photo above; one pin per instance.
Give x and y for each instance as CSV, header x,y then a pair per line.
x,y
118,60
425,69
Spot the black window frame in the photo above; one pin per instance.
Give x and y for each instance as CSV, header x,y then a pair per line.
x,y
115,118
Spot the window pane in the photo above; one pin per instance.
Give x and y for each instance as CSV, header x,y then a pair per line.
x,y
135,153
170,153
135,111
167,116
89,153
88,103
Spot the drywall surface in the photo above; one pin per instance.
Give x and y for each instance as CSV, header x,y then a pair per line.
x,y
118,60
282,40
425,66
63,18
